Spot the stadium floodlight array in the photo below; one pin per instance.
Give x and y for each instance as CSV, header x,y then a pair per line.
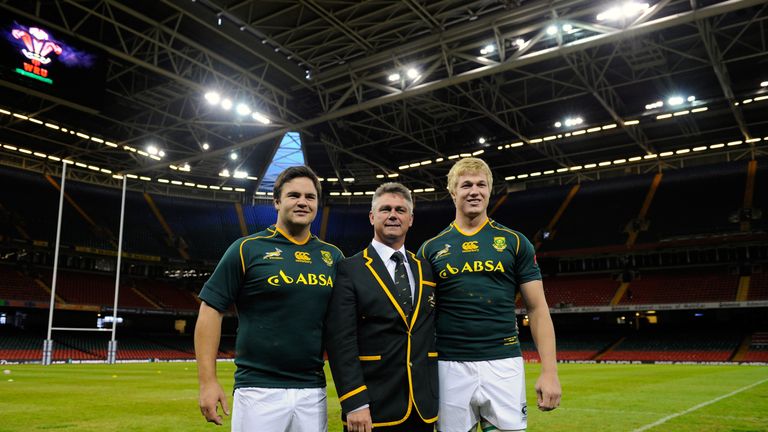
x,y
69,161
635,159
83,135
623,11
215,98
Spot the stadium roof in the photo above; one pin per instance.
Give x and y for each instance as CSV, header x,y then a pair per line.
x,y
547,91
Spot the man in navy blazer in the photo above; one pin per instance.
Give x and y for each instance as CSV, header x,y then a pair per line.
x,y
380,331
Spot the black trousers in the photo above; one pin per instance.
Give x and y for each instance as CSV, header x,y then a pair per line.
x,y
413,423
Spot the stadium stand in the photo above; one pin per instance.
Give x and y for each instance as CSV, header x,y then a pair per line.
x,y
681,286
588,222
758,348
591,290
573,346
17,286
709,201
166,295
758,287
671,346
96,289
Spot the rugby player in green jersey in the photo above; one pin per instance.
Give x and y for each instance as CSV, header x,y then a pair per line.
x,y
480,266
280,281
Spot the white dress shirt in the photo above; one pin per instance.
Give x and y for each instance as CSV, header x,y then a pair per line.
x,y
385,253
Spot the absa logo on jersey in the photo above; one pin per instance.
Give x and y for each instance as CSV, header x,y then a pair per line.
x,y
301,279
472,267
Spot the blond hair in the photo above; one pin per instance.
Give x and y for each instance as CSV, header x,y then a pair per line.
x,y
468,166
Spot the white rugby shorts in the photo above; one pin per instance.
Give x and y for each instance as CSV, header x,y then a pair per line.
x,y
257,409
493,391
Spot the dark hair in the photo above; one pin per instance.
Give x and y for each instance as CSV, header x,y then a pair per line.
x,y
295,172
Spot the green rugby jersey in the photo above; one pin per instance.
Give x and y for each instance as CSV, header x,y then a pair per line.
x,y
281,290
478,275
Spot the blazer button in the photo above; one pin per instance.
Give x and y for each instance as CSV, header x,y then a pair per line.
x,y
410,364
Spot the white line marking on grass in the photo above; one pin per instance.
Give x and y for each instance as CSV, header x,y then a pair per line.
x,y
694,408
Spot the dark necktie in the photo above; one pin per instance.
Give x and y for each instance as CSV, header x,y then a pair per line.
x,y
402,283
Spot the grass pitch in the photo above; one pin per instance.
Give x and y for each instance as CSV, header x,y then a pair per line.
x,y
163,397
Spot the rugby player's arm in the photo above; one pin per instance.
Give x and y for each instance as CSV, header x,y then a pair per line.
x,y
548,385
207,338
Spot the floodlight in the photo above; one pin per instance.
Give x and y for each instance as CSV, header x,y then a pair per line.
x,y
260,118
213,97
243,109
675,100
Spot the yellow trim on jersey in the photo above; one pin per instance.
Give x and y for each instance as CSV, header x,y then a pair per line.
x,y
352,393
473,233
293,240
369,358
445,231
428,283
517,249
331,245
242,260
431,354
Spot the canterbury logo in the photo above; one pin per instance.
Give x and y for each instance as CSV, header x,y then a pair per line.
x,y
470,246
472,267
302,257
301,279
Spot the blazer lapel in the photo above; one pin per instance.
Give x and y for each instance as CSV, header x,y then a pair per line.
x,y
376,266
415,265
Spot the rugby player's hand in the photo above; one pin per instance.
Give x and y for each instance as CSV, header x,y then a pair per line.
x,y
211,395
360,421
548,391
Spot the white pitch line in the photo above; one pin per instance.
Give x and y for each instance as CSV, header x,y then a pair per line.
x,y
694,408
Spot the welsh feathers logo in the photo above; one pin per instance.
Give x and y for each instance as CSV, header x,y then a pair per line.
x,y
38,47
500,243
327,258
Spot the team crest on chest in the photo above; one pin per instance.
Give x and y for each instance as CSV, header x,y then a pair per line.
x,y
327,258
302,257
443,252
273,255
500,243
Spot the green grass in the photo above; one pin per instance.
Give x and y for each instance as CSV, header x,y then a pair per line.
x,y
163,397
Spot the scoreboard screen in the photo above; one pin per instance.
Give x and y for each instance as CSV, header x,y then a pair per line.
x,y
51,64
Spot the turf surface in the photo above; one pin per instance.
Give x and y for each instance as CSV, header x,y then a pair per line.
x,y
163,397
